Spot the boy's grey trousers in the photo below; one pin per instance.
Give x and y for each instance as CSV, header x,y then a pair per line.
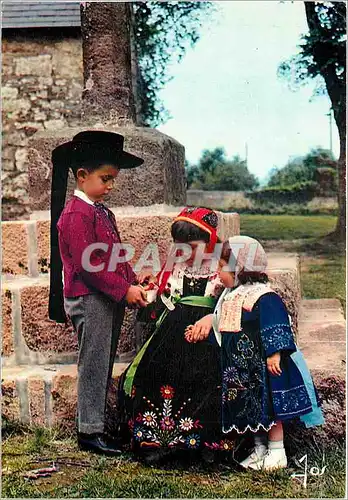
x,y
97,321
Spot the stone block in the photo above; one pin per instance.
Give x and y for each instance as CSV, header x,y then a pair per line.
x,y
7,323
15,256
44,395
321,331
160,180
310,304
40,333
21,156
44,82
8,166
329,356
55,124
138,231
36,396
8,154
321,315
9,93
65,66
48,339
285,283
16,139
64,399
10,405
18,108
43,245
34,66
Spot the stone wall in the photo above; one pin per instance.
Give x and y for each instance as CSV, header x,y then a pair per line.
x,y
238,201
42,82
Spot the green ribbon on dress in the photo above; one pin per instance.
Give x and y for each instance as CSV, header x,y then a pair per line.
x,y
191,300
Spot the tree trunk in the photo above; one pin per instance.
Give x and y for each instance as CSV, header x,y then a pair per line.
x,y
340,230
106,43
337,93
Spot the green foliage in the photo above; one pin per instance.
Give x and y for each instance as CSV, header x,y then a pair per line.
x,y
214,172
271,208
322,52
301,192
163,33
301,168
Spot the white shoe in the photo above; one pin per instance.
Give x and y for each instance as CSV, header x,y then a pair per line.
x,y
275,459
255,459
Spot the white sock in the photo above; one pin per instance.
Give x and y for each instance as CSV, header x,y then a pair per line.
x,y
276,445
260,440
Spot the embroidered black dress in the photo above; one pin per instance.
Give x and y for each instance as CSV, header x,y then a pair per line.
x,y
175,399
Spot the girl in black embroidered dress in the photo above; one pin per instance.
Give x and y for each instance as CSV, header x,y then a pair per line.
x,y
170,394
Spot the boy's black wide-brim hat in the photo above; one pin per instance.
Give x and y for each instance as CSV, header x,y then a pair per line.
x,y
99,145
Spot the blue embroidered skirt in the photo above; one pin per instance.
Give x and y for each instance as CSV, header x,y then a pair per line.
x,y
252,398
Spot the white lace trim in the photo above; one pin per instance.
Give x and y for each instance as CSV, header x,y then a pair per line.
x,y
249,428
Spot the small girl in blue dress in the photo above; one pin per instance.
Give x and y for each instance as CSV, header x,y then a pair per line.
x,y
265,380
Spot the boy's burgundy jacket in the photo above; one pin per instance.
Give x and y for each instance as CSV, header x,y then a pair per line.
x,y
80,225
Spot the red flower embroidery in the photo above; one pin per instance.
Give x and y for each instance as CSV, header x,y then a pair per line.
x,y
153,315
167,424
167,392
197,425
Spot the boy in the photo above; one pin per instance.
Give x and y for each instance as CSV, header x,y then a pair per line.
x,y
94,297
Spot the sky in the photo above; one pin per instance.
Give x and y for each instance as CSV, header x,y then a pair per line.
x,y
226,92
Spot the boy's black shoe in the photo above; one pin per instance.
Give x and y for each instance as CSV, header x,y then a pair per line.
x,y
97,443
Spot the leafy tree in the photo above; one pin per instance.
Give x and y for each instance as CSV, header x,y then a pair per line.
x,y
214,172
163,32
323,56
301,169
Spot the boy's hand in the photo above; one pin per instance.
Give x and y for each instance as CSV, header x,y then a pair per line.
x,y
136,296
273,364
200,330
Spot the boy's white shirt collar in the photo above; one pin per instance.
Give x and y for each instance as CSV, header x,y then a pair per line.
x,y
80,194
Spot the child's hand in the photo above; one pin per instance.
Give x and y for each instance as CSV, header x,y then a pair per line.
x,y
146,276
273,364
136,296
151,292
200,330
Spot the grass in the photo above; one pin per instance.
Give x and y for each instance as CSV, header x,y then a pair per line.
x,y
99,477
287,227
324,278
323,263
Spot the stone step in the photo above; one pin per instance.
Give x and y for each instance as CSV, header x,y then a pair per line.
x,y
321,315
282,260
322,332
326,356
43,395
26,244
309,304
29,337
322,335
